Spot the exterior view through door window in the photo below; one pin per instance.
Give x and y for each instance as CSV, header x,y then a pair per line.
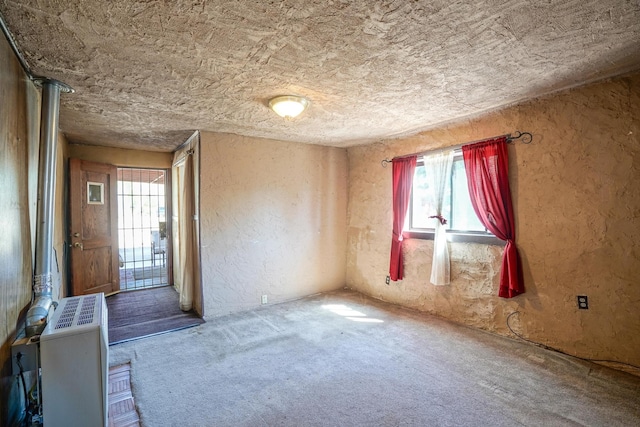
x,y
142,228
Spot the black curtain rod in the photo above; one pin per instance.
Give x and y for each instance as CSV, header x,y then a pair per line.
x,y
524,137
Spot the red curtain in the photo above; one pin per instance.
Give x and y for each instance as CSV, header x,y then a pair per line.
x,y
486,164
403,170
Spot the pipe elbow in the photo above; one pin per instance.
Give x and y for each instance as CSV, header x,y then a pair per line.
x,y
37,315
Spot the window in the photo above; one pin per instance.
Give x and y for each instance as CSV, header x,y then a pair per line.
x,y
462,222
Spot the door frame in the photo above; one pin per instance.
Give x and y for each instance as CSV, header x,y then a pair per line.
x,y
78,213
168,215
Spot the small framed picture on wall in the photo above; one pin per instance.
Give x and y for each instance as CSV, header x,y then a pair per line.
x,y
95,193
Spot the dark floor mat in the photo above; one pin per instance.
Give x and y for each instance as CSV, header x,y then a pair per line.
x,y
138,314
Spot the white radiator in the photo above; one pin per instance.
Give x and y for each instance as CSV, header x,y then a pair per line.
x,y
74,352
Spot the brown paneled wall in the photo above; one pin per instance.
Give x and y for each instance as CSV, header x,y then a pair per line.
x,y
19,128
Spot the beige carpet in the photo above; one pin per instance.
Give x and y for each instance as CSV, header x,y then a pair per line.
x,y
341,359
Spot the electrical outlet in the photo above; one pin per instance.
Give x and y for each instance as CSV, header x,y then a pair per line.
x,y
583,302
264,299
387,280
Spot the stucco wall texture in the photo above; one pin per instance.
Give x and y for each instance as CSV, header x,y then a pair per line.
x,y
577,205
273,220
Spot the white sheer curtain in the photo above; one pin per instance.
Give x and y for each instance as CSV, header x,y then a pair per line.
x,y
185,226
438,170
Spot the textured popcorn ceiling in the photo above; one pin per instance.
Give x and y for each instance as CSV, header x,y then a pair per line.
x,y
148,73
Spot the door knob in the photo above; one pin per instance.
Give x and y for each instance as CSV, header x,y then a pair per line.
x,y
78,245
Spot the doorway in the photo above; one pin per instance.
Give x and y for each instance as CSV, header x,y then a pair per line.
x,y
93,260
143,239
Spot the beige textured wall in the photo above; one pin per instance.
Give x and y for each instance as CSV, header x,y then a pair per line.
x,y
121,157
273,220
19,133
577,204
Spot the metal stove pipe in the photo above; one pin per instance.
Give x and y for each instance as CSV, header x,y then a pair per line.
x,y
43,274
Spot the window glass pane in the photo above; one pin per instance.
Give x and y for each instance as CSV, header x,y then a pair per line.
x,y
457,208
464,217
422,205
446,204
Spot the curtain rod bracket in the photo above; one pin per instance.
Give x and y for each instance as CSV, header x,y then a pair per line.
x,y
524,137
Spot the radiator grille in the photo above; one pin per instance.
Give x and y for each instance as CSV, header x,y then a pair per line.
x,y
86,311
68,314
78,311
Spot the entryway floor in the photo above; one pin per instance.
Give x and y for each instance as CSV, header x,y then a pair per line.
x,y
143,277
143,313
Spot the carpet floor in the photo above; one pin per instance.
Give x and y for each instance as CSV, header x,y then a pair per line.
x,y
343,359
139,314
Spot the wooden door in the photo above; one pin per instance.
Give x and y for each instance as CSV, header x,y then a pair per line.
x,y
94,227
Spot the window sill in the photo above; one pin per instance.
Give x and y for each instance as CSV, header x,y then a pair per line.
x,y
455,237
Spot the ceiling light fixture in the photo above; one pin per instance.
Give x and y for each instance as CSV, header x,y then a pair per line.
x,y
288,106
